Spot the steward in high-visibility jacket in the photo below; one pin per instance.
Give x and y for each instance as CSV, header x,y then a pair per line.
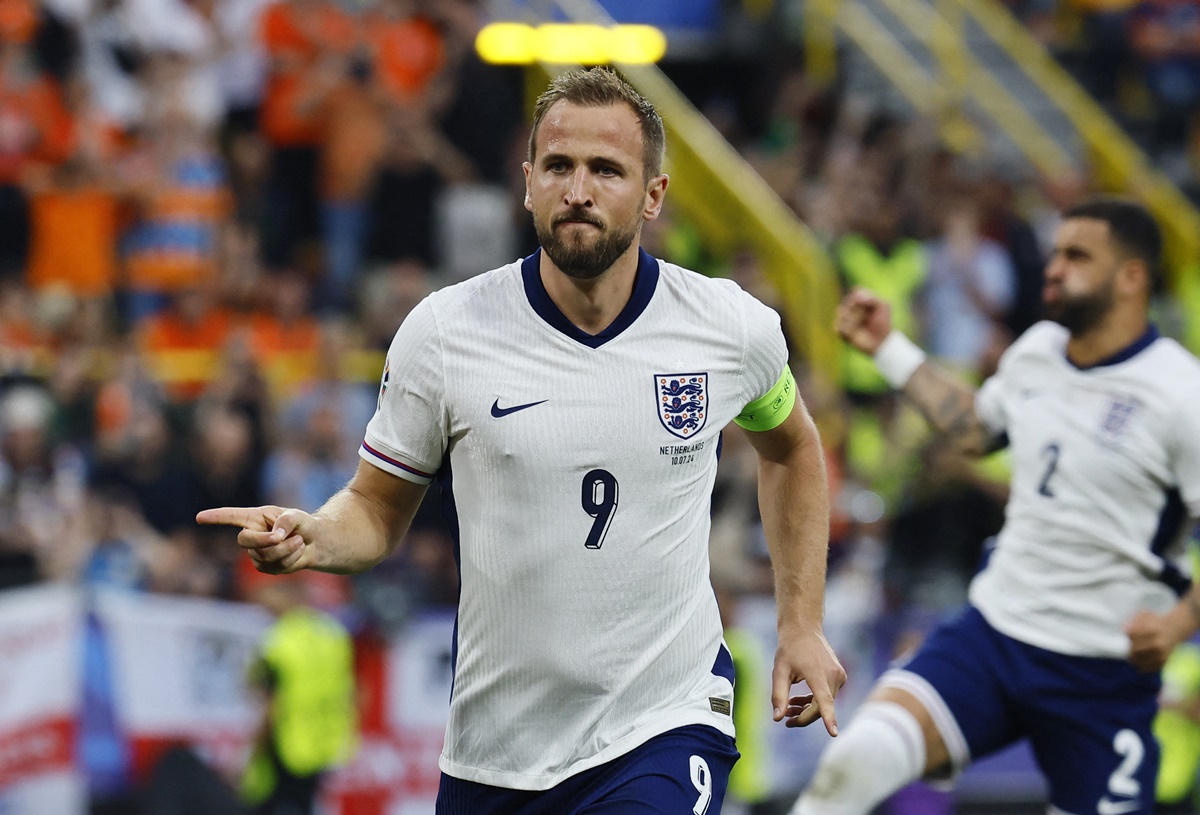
x,y
895,274
306,669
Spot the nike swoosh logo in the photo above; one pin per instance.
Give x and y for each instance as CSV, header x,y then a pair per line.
x,y
1107,806
499,412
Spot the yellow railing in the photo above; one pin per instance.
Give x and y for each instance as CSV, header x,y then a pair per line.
x,y
1118,161
734,208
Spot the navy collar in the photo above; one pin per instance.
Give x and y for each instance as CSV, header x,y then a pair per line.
x,y
1128,352
644,285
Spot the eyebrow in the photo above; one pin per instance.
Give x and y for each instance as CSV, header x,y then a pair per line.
x,y
1071,249
549,157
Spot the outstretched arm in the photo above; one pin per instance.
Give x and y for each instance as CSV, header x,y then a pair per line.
x,y
865,322
356,528
793,497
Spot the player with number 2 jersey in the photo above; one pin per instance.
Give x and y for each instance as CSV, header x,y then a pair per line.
x,y
1086,591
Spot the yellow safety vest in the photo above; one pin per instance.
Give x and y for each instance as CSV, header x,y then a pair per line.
x,y
896,279
314,717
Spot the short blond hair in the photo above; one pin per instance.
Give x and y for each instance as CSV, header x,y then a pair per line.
x,y
600,87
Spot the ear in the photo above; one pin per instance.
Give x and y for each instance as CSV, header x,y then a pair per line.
x,y
1133,278
656,191
528,168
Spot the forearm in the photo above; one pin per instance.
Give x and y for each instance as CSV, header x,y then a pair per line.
x,y
350,536
364,522
949,405
944,399
793,499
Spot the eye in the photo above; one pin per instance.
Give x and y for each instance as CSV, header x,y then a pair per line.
x,y
609,172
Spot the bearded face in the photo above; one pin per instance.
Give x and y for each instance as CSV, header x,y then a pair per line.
x,y
581,245
587,187
1082,311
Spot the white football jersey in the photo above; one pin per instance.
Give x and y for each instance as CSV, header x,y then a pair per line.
x,y
1106,476
582,472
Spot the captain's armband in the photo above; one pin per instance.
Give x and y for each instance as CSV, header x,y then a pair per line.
x,y
769,411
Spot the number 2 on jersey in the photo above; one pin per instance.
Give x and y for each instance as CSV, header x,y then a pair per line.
x,y
1050,456
599,497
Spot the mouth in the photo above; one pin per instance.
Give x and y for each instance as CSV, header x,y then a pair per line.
x,y
576,222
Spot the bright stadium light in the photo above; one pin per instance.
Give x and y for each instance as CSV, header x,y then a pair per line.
x,y
570,43
565,43
636,44
506,44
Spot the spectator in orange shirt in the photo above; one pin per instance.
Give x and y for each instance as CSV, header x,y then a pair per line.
x,y
408,51
76,206
34,127
354,119
284,339
183,199
18,20
182,344
74,231
307,43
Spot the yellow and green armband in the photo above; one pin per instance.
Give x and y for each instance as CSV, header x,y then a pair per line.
x,y
769,411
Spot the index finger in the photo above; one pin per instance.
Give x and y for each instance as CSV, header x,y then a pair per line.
x,y
824,701
245,517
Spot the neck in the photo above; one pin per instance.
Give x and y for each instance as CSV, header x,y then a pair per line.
x,y
1112,334
592,305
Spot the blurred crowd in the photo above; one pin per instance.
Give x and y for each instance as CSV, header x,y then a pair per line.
x,y
1141,60
215,213
213,216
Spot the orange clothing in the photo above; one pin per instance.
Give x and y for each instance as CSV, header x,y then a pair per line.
x,y
355,136
74,240
408,53
18,20
295,38
175,243
184,356
270,337
286,352
35,125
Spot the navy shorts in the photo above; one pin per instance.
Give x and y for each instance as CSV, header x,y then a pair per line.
x,y
681,771
1087,719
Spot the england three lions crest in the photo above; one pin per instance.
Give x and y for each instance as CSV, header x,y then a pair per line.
x,y
682,402
1117,417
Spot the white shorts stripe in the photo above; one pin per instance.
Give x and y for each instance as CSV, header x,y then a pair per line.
x,y
943,719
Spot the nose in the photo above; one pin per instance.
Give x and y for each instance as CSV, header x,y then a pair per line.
x,y
1054,269
579,192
